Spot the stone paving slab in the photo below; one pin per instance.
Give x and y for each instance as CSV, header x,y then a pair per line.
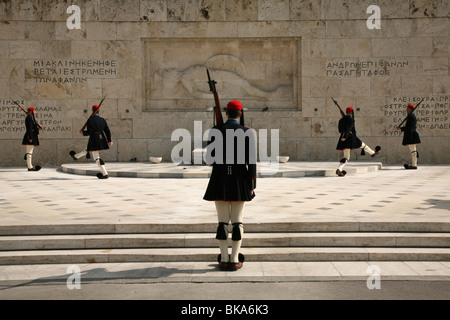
x,y
209,272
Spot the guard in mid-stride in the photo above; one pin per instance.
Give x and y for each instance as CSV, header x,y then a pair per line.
x,y
31,139
411,137
349,141
232,182
99,139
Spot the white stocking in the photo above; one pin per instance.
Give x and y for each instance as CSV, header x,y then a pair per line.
x,y
96,157
30,149
413,149
367,149
237,213
223,214
347,157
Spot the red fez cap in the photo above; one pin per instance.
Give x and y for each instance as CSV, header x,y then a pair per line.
x,y
95,107
234,105
411,106
349,109
31,109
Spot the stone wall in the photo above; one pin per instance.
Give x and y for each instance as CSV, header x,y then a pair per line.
x,y
149,59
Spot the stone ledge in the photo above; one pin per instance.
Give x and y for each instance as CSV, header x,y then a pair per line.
x,y
139,227
207,240
173,171
276,254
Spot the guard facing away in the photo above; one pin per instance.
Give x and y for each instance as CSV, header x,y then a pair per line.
x,y
232,182
99,139
411,137
349,141
31,138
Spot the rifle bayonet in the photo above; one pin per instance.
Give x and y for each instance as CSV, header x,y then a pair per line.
x,y
337,104
217,112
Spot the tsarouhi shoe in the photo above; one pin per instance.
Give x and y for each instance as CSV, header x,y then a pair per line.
x,y
100,176
408,167
223,266
377,151
36,168
237,265
234,266
72,154
341,173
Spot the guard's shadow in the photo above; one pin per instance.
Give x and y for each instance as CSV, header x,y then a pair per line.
x,y
439,204
102,274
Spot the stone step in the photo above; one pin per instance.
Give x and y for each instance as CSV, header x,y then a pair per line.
x,y
210,254
304,226
207,240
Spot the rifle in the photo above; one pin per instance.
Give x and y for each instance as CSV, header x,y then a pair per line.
x,y
242,121
218,118
34,119
413,111
93,113
337,104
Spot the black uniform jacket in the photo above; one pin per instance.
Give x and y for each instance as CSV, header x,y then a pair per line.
x,y
99,134
32,132
232,181
347,131
410,134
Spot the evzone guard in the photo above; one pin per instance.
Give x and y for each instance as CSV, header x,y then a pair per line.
x,y
411,137
99,139
349,141
31,138
231,185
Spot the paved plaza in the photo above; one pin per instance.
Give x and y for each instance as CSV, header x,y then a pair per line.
x,y
380,194
390,194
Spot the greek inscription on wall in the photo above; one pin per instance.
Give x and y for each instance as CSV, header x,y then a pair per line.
x,y
12,119
71,71
433,114
364,68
